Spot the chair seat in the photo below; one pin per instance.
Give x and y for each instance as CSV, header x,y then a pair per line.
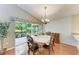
x,y
34,46
46,46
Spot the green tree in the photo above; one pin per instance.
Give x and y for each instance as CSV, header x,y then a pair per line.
x,y
3,29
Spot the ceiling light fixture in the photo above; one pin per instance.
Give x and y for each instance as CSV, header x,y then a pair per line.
x,y
45,20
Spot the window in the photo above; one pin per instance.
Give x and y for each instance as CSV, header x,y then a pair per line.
x,y
26,28
3,29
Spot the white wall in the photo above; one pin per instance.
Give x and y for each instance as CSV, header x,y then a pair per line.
x,y
62,26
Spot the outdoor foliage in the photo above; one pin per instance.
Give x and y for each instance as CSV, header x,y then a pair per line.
x,y
23,28
3,29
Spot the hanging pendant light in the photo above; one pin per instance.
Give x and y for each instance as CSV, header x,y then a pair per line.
x,y
45,20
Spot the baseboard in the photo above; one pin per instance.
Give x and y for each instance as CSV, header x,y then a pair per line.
x,y
69,45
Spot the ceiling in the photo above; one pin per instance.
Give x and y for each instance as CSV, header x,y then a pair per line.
x,y
37,10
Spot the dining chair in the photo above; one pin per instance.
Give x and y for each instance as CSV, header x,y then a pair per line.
x,y
32,46
50,46
53,38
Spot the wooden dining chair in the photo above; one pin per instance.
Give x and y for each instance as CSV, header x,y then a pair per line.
x,y
53,39
50,46
32,46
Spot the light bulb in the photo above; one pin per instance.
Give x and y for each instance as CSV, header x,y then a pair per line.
x,y
42,20
47,20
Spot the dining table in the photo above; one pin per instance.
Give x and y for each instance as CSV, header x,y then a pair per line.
x,y
42,39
